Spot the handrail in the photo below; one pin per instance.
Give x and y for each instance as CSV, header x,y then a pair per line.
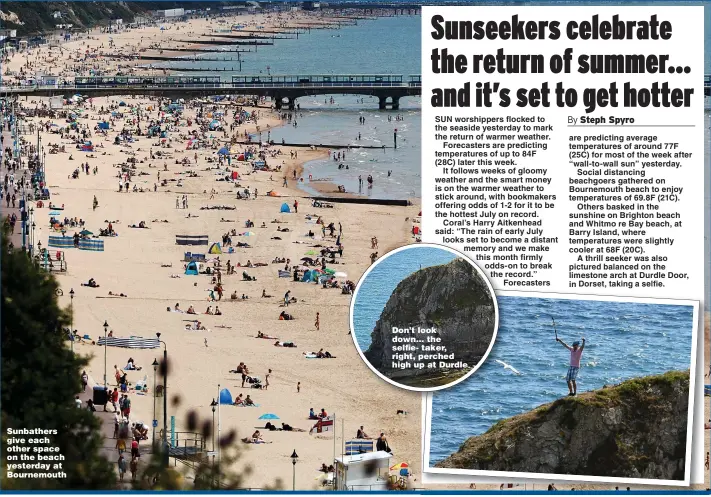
x,y
221,86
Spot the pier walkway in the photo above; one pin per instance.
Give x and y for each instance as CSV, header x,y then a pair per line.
x,y
283,89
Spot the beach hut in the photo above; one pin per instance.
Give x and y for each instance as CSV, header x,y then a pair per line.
x,y
285,208
215,248
225,397
369,471
193,269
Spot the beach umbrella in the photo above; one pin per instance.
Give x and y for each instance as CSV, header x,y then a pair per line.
x,y
268,416
223,151
399,466
85,233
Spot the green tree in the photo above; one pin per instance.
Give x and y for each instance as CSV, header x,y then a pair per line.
x,y
198,472
41,377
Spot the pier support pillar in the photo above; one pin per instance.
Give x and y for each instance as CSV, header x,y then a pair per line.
x,y
277,102
291,103
382,102
396,103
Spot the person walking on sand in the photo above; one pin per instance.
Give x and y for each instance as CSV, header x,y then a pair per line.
x,y
121,466
266,380
576,352
318,322
134,468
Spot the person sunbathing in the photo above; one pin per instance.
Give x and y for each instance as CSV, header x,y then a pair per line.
x,y
246,277
262,335
312,414
287,427
248,401
238,401
218,312
284,316
284,344
234,295
91,283
265,296
191,310
209,310
269,426
177,308
257,436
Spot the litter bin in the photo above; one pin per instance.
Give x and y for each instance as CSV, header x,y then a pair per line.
x,y
101,396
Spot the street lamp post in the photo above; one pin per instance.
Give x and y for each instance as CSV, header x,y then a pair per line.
x,y
213,405
106,329
165,401
71,297
155,422
294,457
32,239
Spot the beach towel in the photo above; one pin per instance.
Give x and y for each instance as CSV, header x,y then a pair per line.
x,y
242,405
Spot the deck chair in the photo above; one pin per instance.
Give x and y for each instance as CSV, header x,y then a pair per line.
x,y
142,384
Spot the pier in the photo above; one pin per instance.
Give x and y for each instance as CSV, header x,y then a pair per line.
x,y
284,90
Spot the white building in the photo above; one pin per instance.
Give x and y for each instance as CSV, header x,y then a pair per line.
x,y
169,13
369,471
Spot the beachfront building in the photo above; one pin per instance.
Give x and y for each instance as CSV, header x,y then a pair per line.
x,y
369,471
169,13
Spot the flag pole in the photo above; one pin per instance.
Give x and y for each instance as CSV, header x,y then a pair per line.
x,y
334,438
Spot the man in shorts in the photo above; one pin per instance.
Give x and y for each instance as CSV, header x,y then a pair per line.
x,y
576,352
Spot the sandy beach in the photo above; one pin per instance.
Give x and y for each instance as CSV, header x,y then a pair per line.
x,y
133,263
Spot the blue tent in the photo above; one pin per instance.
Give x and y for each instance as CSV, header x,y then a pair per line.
x,y
103,125
193,269
223,151
285,207
225,396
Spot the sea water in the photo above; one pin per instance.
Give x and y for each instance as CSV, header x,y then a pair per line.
x,y
624,340
380,283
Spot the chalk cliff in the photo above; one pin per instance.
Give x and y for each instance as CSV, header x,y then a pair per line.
x,y
636,429
451,297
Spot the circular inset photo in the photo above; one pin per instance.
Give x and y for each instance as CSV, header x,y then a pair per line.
x,y
424,317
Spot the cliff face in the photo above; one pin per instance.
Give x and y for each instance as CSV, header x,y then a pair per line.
x,y
635,429
37,17
453,298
